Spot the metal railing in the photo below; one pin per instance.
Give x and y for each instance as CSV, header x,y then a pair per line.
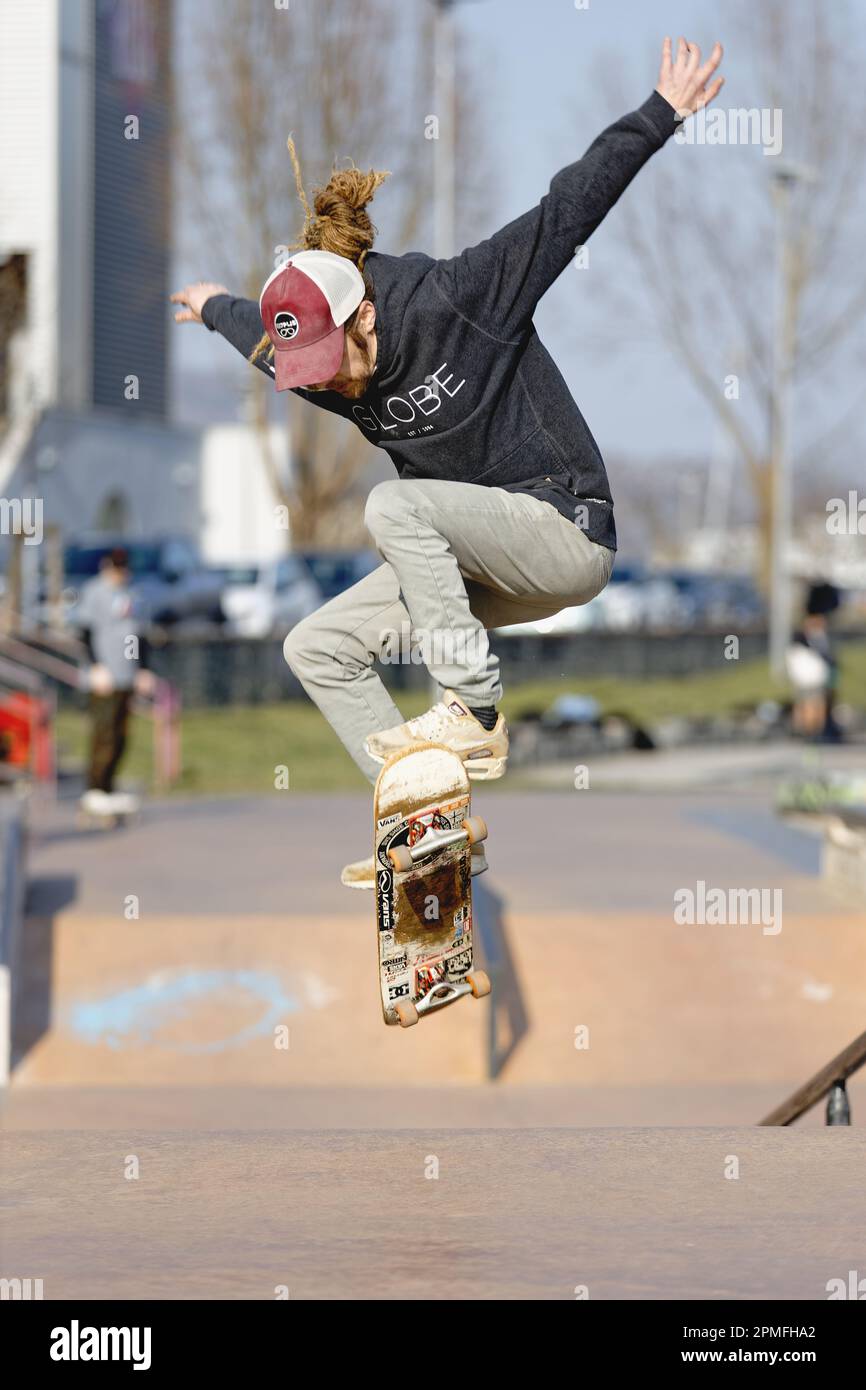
x,y
830,1081
31,662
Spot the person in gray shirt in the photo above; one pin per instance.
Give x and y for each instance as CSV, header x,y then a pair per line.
x,y
106,616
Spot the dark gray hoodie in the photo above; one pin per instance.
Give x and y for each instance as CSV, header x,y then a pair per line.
x,y
464,389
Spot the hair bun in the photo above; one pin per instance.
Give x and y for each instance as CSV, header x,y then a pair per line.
x,y
352,187
338,220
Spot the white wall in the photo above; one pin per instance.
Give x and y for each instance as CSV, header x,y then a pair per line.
x,y
239,522
29,129
46,90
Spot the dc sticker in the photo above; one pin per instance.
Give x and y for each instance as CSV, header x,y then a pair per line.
x,y
286,324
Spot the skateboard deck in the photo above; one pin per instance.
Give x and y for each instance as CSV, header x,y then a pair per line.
x,y
423,834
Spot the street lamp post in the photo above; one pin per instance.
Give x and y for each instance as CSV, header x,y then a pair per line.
x,y
444,152
785,177
780,458
444,146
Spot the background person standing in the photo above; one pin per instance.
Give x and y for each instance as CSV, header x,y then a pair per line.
x,y
110,631
813,669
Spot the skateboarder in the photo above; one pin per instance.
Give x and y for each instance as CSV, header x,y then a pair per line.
x,y
502,510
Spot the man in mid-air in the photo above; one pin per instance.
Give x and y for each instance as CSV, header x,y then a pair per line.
x,y
501,511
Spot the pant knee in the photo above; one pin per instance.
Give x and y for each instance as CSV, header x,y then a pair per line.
x,y
387,504
299,647
321,655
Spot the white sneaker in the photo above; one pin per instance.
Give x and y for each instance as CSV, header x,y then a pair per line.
x,y
484,751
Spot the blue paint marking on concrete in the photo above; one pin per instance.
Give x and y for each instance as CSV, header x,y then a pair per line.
x,y
131,1016
766,832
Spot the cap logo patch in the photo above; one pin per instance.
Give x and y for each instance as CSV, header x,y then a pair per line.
x,y
286,324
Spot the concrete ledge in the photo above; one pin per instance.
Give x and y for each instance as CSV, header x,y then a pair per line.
x,y
843,861
488,1105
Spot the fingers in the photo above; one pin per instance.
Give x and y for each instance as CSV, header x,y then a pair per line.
x,y
184,315
692,77
710,65
667,66
187,314
704,98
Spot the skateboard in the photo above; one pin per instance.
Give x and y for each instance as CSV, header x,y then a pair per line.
x,y
423,834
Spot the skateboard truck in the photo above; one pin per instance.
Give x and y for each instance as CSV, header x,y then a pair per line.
x,y
403,857
477,984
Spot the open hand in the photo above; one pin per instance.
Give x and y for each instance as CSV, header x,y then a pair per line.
x,y
194,298
683,82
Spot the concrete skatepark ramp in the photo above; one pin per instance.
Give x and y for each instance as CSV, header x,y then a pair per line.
x,y
186,1003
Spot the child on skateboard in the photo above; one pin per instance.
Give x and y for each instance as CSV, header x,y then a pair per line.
x,y
501,511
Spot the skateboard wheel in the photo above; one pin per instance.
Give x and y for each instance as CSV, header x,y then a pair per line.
x,y
476,829
479,983
401,858
406,1012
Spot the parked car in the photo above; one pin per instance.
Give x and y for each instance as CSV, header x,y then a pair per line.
x,y
638,600
579,618
620,607
711,599
169,582
259,600
337,570
662,606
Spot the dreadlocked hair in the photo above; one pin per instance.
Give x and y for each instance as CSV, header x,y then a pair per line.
x,y
338,221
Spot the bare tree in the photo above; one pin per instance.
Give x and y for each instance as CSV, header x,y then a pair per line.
x,y
696,238
346,80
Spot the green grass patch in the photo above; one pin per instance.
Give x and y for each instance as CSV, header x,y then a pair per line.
x,y
238,749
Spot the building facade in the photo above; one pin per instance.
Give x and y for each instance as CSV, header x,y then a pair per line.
x,y
85,248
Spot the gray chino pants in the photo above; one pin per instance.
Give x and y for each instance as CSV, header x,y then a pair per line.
x,y
459,559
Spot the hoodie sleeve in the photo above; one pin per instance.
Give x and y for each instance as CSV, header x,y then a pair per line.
x,y
498,283
239,322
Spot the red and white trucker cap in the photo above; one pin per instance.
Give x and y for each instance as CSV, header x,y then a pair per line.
x,y
304,305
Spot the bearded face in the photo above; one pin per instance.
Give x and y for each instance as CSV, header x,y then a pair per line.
x,y
353,386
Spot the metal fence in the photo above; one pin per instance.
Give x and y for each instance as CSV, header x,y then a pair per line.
x,y
215,669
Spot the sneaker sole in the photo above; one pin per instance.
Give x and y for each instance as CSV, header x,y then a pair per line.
x,y
485,769
477,769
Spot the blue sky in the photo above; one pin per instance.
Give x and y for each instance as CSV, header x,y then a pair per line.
x,y
546,105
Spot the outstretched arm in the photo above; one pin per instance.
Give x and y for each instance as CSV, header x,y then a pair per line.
x,y
498,283
237,320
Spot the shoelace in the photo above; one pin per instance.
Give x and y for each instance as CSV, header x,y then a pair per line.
x,y
432,719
